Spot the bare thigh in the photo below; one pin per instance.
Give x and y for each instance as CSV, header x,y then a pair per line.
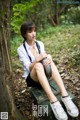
x,y
33,74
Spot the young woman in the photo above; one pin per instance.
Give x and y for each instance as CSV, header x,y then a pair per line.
x,y
31,52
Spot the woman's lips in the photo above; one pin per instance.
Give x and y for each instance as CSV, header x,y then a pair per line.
x,y
33,37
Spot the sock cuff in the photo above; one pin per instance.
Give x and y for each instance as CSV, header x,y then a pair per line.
x,y
54,102
65,96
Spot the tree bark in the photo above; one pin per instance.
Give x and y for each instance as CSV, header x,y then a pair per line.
x,y
53,16
5,34
7,103
56,16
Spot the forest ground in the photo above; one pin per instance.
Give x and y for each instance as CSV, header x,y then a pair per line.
x,y
63,43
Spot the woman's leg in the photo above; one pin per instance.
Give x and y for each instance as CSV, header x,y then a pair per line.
x,y
38,75
57,78
70,106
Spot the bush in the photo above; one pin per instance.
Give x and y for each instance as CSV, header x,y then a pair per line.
x,y
73,15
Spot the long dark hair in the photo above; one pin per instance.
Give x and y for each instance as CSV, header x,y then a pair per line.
x,y
26,27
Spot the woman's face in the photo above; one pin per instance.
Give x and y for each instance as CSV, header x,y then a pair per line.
x,y
31,35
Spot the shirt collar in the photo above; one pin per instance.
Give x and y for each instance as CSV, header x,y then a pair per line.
x,y
28,46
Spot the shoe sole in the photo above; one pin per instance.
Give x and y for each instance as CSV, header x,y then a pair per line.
x,y
73,115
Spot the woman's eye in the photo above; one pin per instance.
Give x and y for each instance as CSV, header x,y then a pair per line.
x,y
32,30
29,31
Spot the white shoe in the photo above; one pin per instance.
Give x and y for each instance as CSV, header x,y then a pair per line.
x,y
58,111
70,106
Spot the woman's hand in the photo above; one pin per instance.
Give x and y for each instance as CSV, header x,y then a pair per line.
x,y
48,60
41,56
38,59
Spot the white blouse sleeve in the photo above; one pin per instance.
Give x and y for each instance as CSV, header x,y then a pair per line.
x,y
24,58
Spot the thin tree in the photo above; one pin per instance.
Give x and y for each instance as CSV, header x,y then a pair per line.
x,y
7,103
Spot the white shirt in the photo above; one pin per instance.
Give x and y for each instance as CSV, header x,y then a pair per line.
x,y
24,58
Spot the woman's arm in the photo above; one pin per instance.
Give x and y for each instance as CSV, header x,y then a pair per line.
x,y
37,59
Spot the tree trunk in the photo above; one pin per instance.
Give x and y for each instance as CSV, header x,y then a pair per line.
x,y
5,34
56,14
7,103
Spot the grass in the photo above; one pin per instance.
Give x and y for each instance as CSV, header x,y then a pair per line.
x,y
15,43
59,41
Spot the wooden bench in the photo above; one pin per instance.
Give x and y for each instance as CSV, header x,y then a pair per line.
x,y
40,98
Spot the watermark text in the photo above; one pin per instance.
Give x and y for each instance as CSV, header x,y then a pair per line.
x,y
39,110
67,2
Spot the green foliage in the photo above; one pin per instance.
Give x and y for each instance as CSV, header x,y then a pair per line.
x,y
73,15
18,16
15,43
64,20
21,11
50,30
33,10
43,13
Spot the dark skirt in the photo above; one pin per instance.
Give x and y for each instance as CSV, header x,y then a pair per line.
x,y
32,83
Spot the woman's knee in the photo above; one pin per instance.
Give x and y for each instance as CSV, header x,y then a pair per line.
x,y
39,66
